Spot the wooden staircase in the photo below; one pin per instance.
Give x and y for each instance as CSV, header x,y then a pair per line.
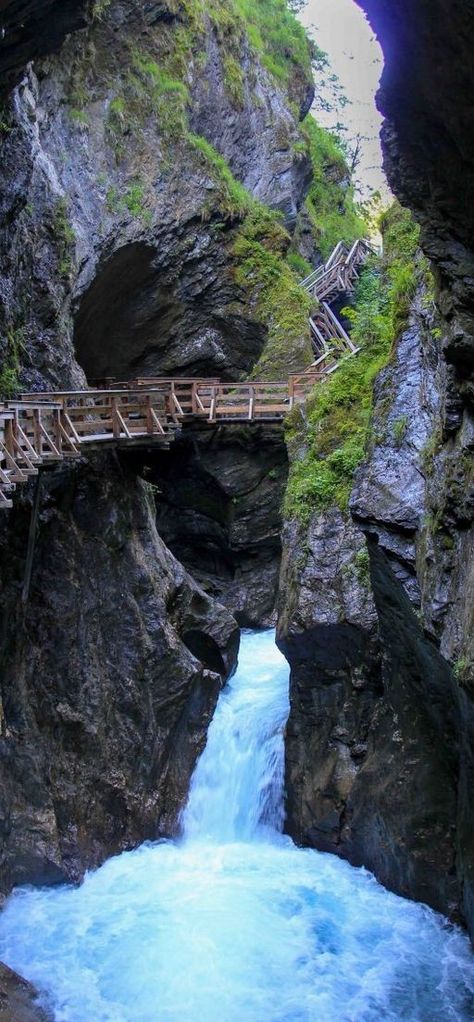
x,y
337,277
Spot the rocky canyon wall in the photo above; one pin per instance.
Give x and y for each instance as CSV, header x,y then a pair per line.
x,y
376,607
138,150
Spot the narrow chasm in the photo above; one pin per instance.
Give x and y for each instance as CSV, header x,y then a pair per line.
x,y
236,511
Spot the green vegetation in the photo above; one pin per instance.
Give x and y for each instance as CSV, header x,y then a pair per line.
x,y
278,37
463,670
338,413
330,202
63,235
132,199
99,8
233,199
149,90
79,116
10,364
399,430
156,83
278,301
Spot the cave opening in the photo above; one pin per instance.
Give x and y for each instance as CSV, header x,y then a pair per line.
x,y
147,313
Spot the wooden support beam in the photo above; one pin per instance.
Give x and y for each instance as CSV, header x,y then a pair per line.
x,y
25,592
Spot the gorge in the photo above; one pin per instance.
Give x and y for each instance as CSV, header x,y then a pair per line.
x,y
163,189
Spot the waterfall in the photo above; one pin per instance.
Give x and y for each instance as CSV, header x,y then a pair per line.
x,y
237,787
233,923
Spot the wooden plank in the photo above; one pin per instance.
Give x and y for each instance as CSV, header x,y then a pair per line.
x,y
122,423
5,502
49,442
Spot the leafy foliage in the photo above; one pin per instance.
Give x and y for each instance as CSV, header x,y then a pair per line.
x,y
330,202
338,413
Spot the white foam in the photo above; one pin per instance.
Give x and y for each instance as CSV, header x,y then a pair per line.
x,y
234,923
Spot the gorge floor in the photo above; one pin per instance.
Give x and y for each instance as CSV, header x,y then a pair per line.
x,y
233,922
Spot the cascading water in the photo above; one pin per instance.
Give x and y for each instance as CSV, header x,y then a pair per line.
x,y
234,923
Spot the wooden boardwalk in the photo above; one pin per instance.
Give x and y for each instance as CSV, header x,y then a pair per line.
x,y
335,278
45,428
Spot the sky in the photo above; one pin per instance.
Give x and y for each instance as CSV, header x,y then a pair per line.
x,y
340,28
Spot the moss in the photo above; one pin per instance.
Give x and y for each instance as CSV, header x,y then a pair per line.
x,y
99,8
429,451
64,236
10,364
359,567
463,670
336,429
234,79
278,301
278,37
399,430
79,116
131,199
233,200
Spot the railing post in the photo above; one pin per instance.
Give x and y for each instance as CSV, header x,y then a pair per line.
x,y
149,417
291,391
212,408
251,402
58,437
115,418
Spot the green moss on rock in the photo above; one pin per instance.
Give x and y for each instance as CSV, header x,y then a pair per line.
x,y
336,427
274,293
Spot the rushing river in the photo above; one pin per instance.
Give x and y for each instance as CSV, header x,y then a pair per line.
x,y
234,923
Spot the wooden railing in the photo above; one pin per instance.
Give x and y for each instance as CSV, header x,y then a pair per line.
x,y
42,428
48,427
337,277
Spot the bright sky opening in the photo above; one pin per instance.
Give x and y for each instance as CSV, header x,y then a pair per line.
x,y
340,28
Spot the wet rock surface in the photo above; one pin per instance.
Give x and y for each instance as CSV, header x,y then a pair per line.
x,y
116,236
426,96
373,612
18,999
219,511
111,672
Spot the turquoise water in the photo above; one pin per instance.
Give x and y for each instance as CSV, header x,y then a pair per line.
x,y
234,923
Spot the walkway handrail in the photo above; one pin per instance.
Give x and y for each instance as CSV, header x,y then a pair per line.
x,y
49,426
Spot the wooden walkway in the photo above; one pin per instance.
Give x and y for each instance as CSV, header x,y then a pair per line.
x,y
334,279
45,428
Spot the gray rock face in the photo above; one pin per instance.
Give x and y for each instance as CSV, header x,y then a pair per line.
x,y
18,999
373,613
426,96
218,510
116,239
33,28
115,233
111,674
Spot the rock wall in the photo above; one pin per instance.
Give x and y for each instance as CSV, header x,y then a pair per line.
x,y
219,510
116,226
118,223
426,97
110,674
374,618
